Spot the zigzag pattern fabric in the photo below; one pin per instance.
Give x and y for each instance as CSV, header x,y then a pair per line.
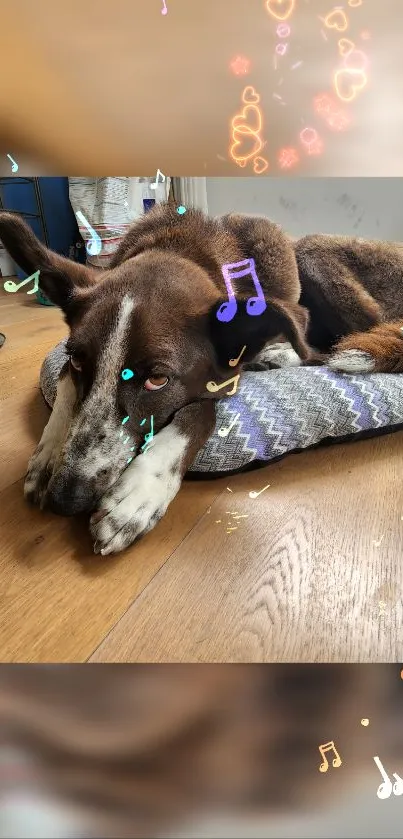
x,y
281,411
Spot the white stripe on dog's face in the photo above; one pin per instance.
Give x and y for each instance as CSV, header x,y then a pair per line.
x,y
93,453
95,431
110,361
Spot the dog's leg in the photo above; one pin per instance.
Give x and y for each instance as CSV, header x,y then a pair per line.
x,y
280,355
274,356
380,350
44,459
140,497
337,300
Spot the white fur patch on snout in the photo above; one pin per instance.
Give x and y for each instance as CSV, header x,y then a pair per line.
x,y
104,452
142,494
352,361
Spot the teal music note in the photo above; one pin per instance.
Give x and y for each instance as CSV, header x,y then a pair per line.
x,y
14,167
11,286
148,438
94,244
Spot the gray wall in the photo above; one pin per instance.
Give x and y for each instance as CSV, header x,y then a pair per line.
x,y
367,207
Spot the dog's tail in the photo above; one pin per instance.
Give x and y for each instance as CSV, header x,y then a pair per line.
x,y
380,350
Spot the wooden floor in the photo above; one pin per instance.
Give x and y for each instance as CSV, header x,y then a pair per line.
x,y
300,580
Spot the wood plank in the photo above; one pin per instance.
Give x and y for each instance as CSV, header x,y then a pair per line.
x,y
23,417
57,599
300,580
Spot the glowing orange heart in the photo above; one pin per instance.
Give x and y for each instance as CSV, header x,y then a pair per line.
x,y
243,122
240,130
336,20
237,150
348,83
250,96
345,46
260,164
280,9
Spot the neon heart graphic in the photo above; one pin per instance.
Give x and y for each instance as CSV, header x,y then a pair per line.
x,y
345,46
260,165
241,122
336,20
280,9
249,96
241,128
238,146
348,83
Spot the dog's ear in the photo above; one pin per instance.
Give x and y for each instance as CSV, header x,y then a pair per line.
x,y
59,277
279,318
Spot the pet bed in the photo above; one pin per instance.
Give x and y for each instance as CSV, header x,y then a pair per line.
x,y
283,410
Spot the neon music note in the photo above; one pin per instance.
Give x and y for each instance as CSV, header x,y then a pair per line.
x,y
94,245
213,387
148,437
254,493
384,790
337,761
254,305
223,432
155,184
14,167
10,285
398,786
234,361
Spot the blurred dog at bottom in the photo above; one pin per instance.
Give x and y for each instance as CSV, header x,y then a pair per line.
x,y
198,750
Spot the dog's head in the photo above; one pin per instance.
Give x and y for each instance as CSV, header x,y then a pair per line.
x,y
144,341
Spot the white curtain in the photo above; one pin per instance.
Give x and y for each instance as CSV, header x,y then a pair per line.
x,y
191,192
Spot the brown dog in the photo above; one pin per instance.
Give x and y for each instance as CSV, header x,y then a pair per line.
x,y
155,312
204,751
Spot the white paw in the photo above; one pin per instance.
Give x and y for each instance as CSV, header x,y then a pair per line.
x,y
39,473
283,355
140,497
274,356
352,361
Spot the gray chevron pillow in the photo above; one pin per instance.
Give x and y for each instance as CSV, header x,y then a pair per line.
x,y
277,411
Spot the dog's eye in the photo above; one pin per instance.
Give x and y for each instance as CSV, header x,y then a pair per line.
x,y
76,363
156,382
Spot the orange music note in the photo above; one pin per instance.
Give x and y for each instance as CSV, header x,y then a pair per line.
x,y
336,761
213,387
233,362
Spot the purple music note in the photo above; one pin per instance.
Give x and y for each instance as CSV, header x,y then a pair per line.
x,y
254,305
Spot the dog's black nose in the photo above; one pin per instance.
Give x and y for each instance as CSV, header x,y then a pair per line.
x,y
68,496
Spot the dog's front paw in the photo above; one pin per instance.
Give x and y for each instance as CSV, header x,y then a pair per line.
x,y
39,473
133,506
274,356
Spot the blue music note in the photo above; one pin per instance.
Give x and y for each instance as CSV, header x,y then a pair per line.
x,y
254,305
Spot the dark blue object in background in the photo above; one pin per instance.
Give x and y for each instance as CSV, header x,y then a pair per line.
x,y
44,204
